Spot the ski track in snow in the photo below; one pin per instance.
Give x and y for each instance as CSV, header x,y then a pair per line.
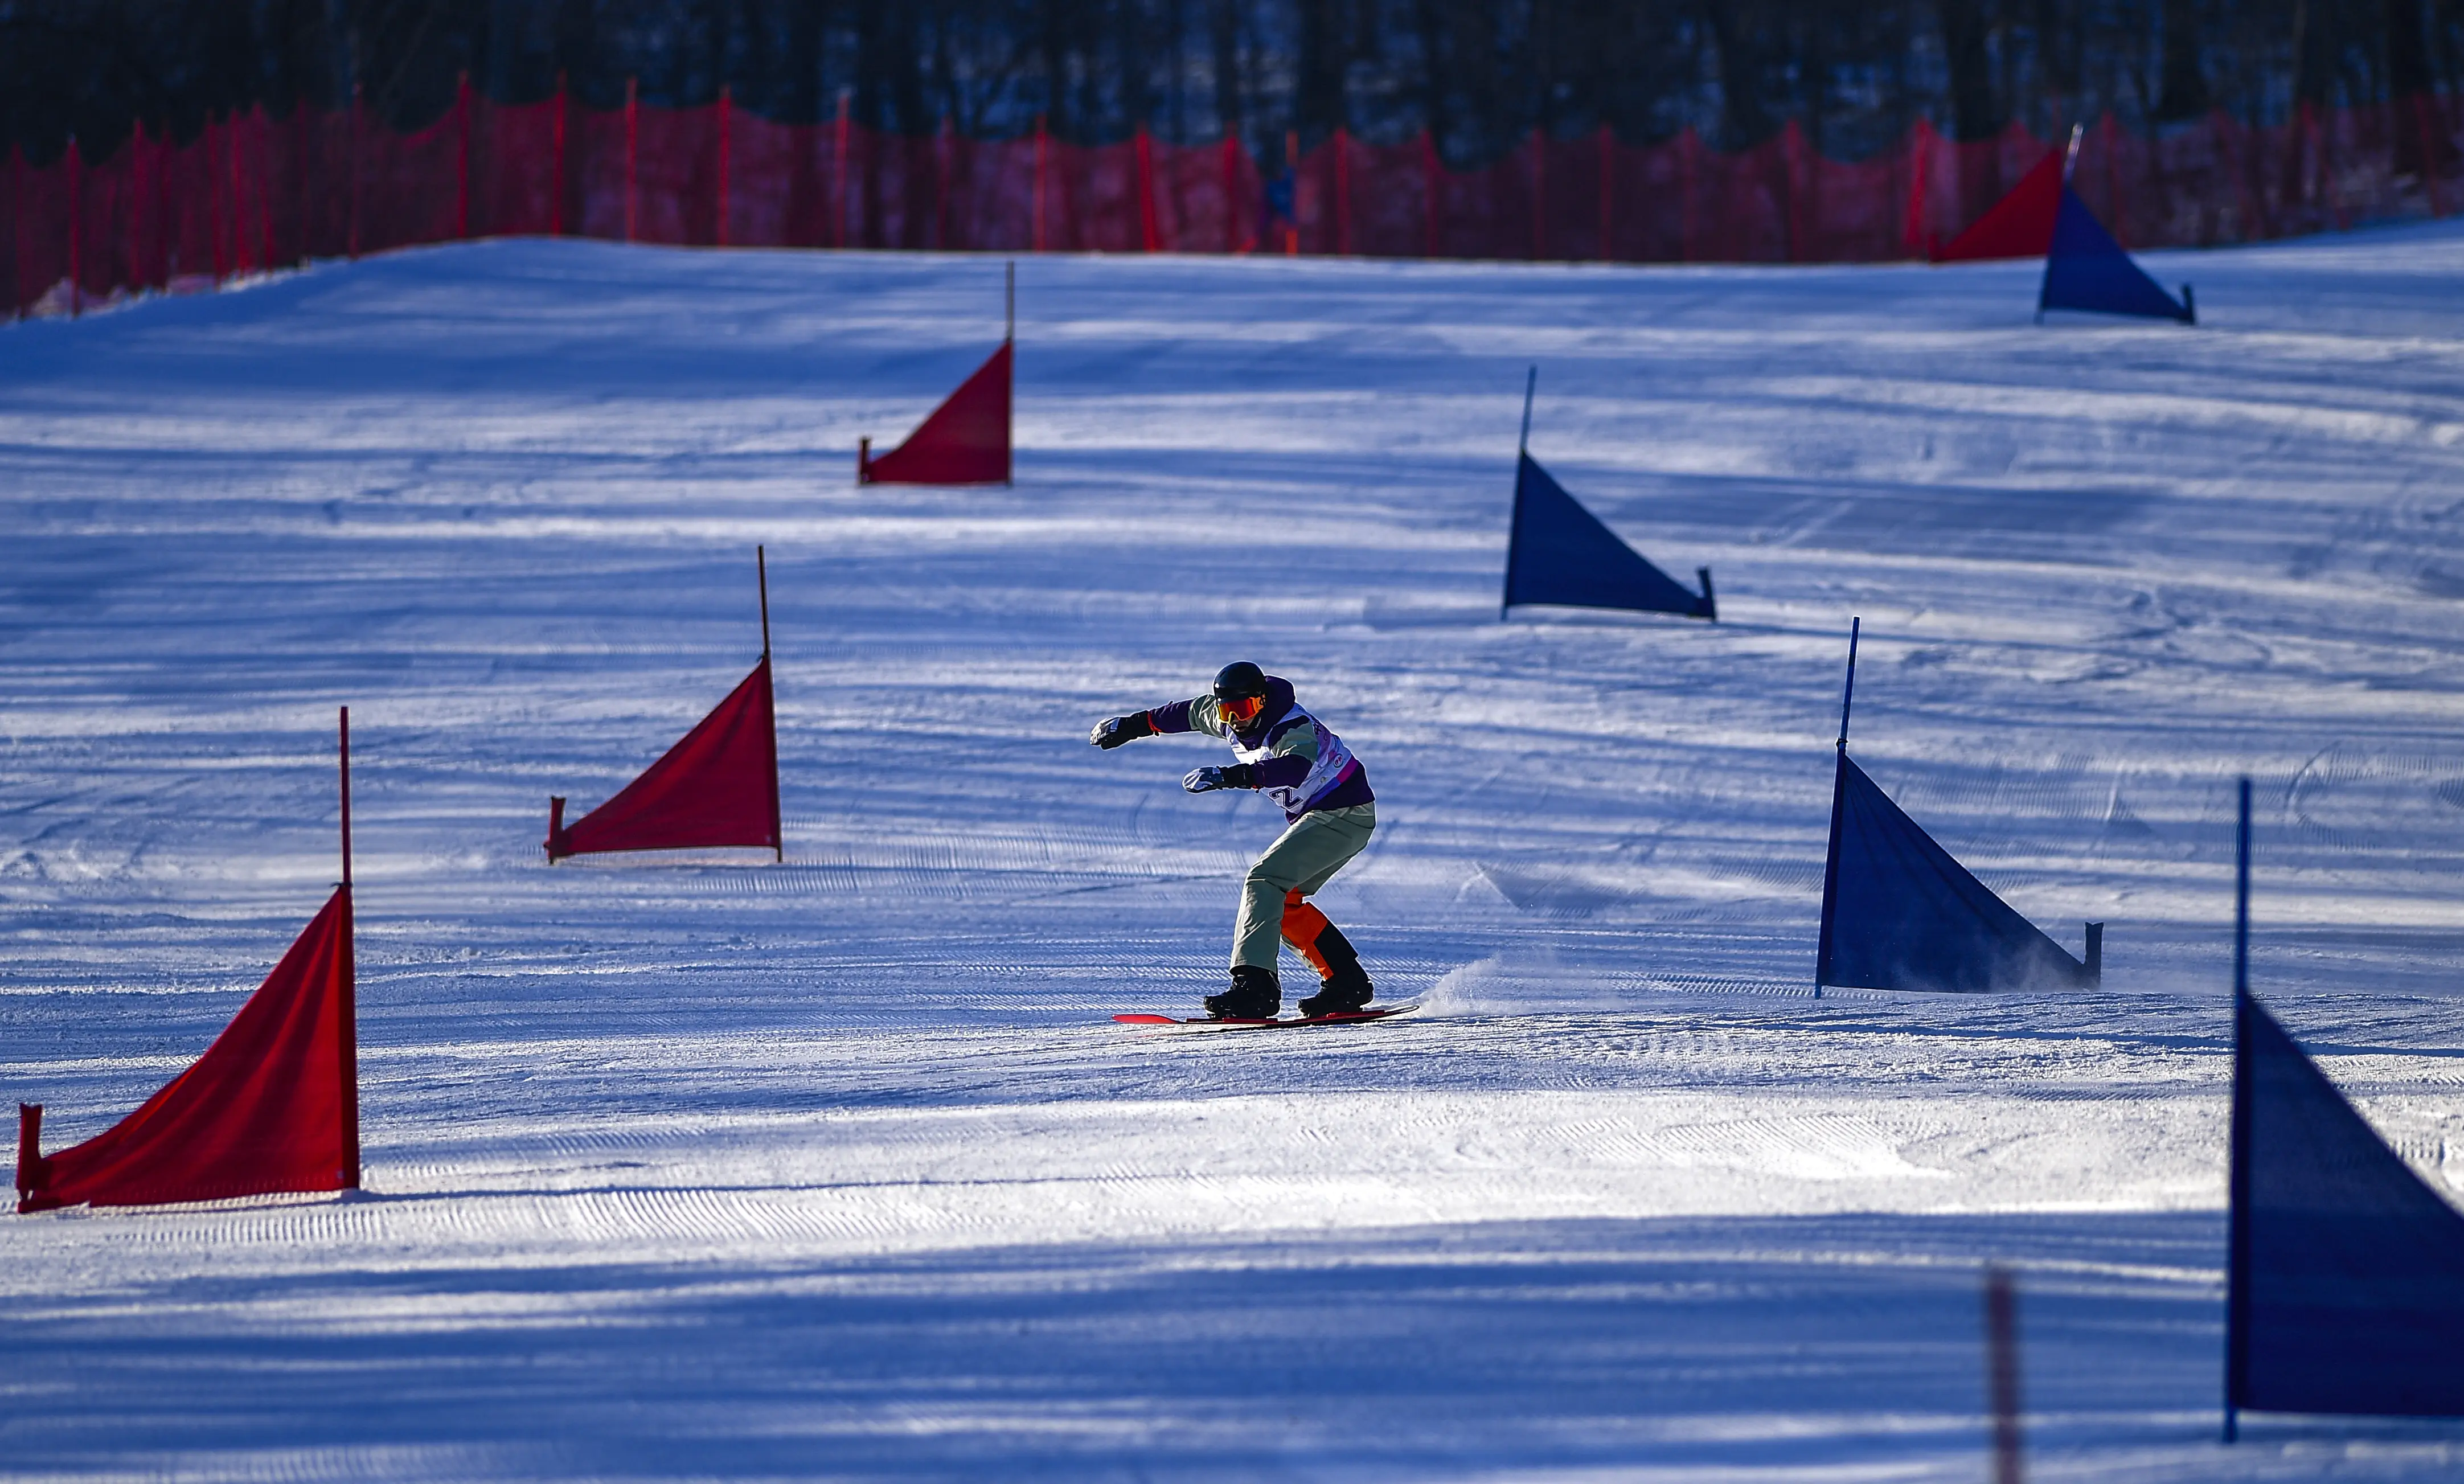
x,y
701,1165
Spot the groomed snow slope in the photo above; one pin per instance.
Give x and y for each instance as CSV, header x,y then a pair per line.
x,y
708,1166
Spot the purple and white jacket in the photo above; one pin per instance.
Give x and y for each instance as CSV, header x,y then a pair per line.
x,y
1295,759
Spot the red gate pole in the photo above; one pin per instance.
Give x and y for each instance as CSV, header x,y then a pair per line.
x,y
1342,191
1539,195
726,115
839,179
632,155
556,191
1431,199
349,1009
462,159
76,229
1149,238
346,801
1608,177
353,245
1041,143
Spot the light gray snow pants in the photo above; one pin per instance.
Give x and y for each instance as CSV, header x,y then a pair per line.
x,y
1313,848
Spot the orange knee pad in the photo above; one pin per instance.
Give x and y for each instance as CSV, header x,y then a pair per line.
x,y
1302,925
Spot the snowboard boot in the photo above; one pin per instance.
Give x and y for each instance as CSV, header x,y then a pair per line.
x,y
1346,988
1255,994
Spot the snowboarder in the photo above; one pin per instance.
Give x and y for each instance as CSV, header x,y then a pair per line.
x,y
1295,760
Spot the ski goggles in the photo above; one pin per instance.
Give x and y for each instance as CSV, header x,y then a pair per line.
x,y
1238,708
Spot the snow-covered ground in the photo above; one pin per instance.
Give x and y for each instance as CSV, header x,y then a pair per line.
x,y
708,1167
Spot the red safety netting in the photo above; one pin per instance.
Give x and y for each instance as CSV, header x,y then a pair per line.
x,y
272,1105
254,192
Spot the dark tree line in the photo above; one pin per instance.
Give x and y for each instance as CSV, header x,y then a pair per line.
x,y
1479,74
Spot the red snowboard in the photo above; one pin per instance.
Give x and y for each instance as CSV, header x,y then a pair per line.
x,y
1210,1023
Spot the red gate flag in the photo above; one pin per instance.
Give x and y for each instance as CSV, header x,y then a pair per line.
x,y
718,786
272,1105
2019,225
966,440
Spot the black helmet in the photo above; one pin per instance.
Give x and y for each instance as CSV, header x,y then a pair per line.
x,y
1239,679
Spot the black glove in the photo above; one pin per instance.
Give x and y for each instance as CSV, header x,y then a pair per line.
x,y
1206,780
1112,731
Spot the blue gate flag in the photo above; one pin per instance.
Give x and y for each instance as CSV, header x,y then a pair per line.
x,y
2086,269
1900,913
2345,1284
1559,552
